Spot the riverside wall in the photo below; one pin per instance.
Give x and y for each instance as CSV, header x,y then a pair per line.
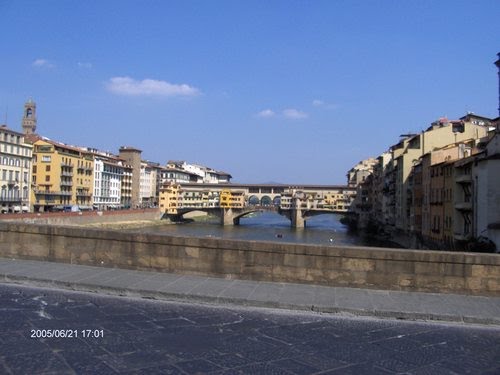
x,y
362,267
84,218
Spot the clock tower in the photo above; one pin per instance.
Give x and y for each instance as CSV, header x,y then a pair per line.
x,y
29,117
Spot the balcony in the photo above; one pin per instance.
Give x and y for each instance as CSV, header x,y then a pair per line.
x,y
463,206
462,236
47,192
10,199
67,165
66,183
67,174
83,194
463,179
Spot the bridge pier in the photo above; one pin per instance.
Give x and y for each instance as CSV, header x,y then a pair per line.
x,y
228,216
297,219
295,216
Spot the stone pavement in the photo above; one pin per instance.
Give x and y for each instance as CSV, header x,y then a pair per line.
x,y
47,331
178,287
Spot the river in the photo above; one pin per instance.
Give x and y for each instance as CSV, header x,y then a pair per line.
x,y
268,226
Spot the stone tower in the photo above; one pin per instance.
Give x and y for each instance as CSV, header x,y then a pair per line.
x,y
29,117
132,156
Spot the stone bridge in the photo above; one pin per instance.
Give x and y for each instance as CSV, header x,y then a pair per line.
x,y
297,203
227,216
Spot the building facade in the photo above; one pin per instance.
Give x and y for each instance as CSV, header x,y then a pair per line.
x,y
62,176
15,175
438,187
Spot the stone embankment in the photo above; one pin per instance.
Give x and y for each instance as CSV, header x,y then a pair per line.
x,y
125,218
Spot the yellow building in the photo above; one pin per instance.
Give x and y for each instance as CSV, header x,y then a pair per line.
x,y
62,176
337,201
170,198
232,199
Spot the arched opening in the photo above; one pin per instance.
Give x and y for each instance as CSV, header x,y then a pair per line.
x,y
277,200
253,200
265,201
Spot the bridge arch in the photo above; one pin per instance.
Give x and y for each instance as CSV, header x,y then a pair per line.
x,y
253,200
277,200
266,201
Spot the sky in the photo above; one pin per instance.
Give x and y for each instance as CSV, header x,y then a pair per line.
x,y
269,91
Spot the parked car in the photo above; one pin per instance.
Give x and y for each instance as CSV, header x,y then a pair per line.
x,y
25,209
73,208
16,208
4,209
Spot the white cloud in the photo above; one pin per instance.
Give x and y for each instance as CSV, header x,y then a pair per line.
x,y
321,104
84,65
266,113
152,87
294,114
42,63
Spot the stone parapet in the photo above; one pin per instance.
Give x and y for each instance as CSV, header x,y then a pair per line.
x,y
363,267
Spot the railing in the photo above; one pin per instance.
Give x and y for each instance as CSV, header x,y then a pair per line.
x,y
463,178
83,194
463,206
47,192
10,199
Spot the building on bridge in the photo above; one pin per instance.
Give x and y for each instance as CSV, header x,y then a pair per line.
x,y
232,199
170,199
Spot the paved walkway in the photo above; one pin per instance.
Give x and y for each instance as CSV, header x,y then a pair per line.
x,y
167,286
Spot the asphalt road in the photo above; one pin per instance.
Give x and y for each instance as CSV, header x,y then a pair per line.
x,y
109,335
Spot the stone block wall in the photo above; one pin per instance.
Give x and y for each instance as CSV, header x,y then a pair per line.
x,y
363,267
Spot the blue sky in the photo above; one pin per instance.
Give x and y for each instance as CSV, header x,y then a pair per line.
x,y
284,91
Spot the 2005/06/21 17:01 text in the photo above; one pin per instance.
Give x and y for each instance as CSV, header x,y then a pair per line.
x,y
67,333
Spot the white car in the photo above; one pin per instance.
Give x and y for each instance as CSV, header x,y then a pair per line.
x,y
4,209
25,209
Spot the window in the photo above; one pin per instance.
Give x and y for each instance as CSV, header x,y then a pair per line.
x,y
46,158
47,168
47,178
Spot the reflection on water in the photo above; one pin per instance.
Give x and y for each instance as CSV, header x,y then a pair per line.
x,y
269,226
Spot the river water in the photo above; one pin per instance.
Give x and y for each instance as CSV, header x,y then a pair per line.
x,y
268,226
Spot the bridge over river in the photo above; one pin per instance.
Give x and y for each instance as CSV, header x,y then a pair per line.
x,y
233,201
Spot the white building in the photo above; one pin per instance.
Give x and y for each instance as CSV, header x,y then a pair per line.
x,y
148,195
108,175
486,178
15,175
199,173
